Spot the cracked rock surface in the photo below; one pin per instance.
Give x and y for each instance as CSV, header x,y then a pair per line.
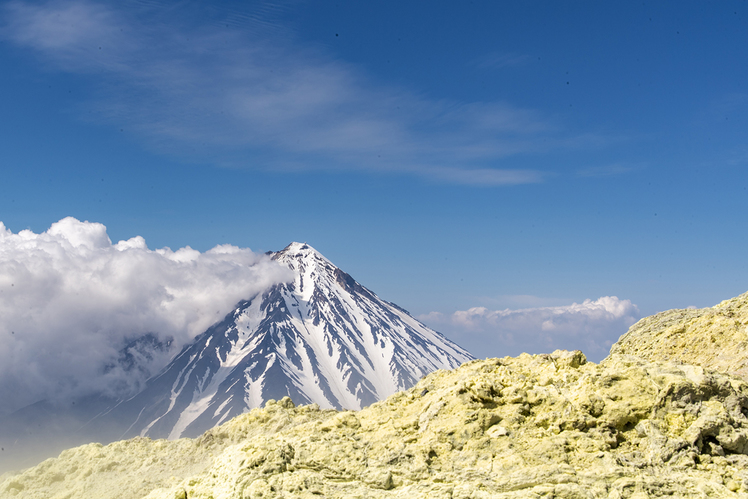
x,y
715,337
552,426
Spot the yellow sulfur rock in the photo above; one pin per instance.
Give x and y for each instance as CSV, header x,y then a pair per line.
x,y
716,337
535,426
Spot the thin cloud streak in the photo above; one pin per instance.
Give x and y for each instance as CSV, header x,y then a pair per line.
x,y
486,177
254,98
606,171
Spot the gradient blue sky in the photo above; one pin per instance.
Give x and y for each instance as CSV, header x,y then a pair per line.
x,y
448,155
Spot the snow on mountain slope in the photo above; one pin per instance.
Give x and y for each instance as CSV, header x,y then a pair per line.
x,y
322,338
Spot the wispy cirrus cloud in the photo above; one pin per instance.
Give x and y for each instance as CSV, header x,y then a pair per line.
x,y
607,170
591,326
236,89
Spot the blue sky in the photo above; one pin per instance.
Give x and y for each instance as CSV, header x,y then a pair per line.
x,y
448,155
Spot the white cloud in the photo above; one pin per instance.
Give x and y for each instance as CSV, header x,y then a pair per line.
x,y
250,95
485,176
591,326
70,300
60,27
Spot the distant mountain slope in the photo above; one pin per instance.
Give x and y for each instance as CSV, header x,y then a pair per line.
x,y
322,338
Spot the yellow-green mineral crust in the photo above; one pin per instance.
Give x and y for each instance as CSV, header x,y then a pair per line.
x,y
715,337
551,426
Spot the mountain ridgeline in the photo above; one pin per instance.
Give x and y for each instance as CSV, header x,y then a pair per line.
x,y
322,338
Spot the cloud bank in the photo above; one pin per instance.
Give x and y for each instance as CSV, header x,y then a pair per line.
x,y
591,326
79,314
236,88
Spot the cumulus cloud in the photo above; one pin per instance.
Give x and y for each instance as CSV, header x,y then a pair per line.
x,y
591,326
79,314
237,89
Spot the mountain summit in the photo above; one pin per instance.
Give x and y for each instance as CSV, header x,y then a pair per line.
x,y
322,338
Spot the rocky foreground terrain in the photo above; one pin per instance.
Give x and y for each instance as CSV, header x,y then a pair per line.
x,y
663,416
715,337
532,426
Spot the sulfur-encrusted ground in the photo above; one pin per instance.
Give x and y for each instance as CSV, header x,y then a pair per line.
x,y
715,337
532,426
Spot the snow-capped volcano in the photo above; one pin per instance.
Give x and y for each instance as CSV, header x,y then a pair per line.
x,y
322,338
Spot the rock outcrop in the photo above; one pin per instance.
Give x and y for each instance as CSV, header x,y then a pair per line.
x,y
532,426
715,338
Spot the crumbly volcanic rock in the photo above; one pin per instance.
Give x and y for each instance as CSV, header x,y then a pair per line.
x,y
716,337
534,426
133,468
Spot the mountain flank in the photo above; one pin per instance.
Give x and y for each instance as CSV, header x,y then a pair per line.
x,y
321,338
